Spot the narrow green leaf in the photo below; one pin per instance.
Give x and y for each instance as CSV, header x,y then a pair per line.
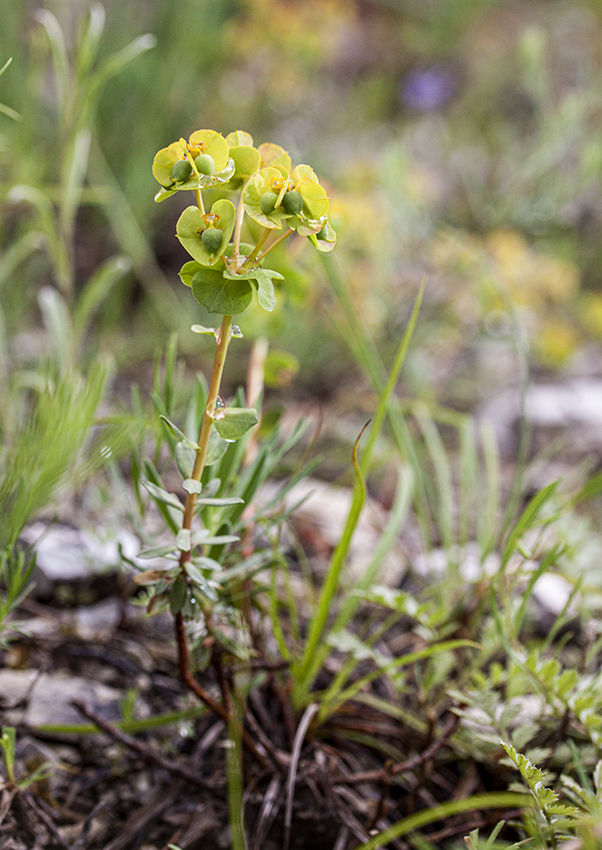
x,y
161,495
590,490
201,329
487,800
97,289
11,113
206,563
73,175
156,552
202,538
118,61
180,434
254,274
220,503
87,50
529,517
185,460
177,595
193,573
217,448
59,55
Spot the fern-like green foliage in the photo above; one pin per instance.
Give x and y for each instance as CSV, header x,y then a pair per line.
x,y
547,800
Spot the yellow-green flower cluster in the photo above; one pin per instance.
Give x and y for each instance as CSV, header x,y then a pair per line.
x,y
273,192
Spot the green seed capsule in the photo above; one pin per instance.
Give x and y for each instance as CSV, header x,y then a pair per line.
x,y
181,171
323,234
205,164
292,202
268,202
212,239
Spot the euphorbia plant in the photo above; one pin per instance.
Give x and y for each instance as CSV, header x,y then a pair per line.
x,y
224,274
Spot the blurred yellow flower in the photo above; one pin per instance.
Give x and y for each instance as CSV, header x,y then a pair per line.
x,y
590,313
556,340
533,277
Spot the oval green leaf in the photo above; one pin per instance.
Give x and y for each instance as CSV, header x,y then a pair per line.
x,y
188,271
221,295
265,292
183,540
232,422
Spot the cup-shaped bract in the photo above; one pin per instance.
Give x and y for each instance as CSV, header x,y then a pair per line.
x,y
325,239
192,224
276,157
315,200
247,159
164,162
202,143
272,181
272,196
313,215
212,144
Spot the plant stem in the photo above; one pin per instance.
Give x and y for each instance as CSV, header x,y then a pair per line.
x,y
240,214
199,200
223,340
203,695
260,243
274,243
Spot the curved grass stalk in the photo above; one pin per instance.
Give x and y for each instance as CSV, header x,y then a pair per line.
x,y
313,656
488,800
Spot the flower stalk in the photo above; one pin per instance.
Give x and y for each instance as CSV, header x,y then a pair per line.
x,y
221,350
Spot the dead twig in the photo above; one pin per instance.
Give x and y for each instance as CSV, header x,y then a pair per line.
x,y
381,808
41,815
279,757
401,767
146,752
140,819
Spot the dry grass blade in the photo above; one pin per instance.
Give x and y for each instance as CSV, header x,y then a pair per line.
x,y
269,809
308,715
342,839
6,802
401,767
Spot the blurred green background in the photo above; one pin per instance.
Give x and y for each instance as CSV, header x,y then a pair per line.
x,y
458,138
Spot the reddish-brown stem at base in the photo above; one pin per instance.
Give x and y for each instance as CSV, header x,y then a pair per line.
x,y
186,675
190,682
216,663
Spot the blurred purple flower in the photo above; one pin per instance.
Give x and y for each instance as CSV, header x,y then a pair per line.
x,y
429,88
